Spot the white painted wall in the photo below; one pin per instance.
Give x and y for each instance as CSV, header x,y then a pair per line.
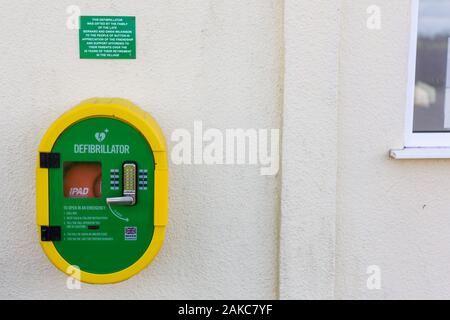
x,y
392,214
309,150
339,204
215,61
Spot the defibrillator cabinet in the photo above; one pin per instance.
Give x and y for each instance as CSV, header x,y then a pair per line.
x,y
102,190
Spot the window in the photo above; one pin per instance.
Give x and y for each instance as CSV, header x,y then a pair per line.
x,y
428,115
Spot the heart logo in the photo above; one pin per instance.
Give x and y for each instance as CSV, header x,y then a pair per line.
x,y
100,136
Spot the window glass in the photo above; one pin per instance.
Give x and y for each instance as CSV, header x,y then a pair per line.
x,y
432,82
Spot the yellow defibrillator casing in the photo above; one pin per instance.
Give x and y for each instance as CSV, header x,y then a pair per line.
x,y
102,190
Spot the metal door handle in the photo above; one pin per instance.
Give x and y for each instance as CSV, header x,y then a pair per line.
x,y
123,201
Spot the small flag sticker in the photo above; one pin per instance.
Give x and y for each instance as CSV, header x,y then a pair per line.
x,y
130,233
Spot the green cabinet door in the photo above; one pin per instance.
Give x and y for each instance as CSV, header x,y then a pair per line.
x,y
97,237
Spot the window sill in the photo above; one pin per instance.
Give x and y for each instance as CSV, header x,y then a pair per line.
x,y
420,153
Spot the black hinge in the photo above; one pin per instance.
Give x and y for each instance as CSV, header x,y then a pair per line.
x,y
50,233
49,160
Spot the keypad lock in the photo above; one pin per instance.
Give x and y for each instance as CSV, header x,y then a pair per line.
x,y
129,186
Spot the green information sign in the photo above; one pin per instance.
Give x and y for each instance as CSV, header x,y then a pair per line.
x,y
107,37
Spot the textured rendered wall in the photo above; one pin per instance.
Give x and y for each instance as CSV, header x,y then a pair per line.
x,y
215,61
392,214
344,205
308,210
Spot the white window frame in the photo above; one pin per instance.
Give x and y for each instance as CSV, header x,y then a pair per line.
x,y
412,139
